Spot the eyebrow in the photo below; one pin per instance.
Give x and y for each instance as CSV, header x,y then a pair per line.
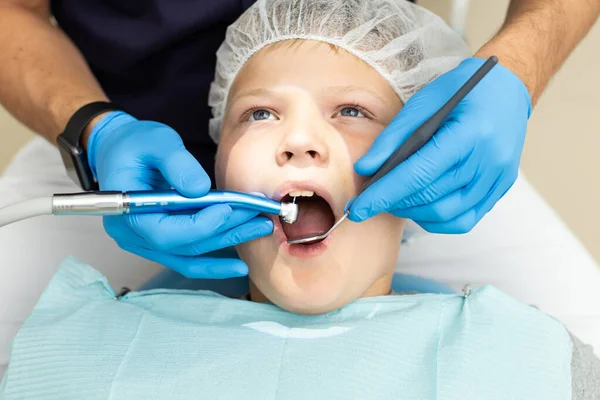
x,y
353,88
259,92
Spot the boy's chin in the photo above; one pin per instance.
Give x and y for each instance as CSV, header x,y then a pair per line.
x,y
321,296
314,308
312,301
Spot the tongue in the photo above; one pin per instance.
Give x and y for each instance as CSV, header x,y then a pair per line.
x,y
314,218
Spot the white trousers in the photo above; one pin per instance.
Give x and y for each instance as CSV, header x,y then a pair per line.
x,y
521,247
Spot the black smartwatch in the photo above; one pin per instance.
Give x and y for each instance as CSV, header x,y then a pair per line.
x,y
74,158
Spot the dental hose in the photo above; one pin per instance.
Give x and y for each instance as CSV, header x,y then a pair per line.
x,y
141,202
26,209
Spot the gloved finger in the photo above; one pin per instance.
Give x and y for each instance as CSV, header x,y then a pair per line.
x,y
191,267
253,229
238,217
420,170
184,173
465,222
506,182
449,182
453,204
125,178
158,182
118,229
461,224
194,267
164,232
419,108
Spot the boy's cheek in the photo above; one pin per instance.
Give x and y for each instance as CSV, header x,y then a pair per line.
x,y
219,169
226,164
360,142
359,181
232,171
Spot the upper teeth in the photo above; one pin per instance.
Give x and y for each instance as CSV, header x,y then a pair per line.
x,y
301,193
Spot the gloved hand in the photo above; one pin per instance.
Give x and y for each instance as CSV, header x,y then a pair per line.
x,y
471,162
127,154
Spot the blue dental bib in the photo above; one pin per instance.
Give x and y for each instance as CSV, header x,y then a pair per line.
x,y
81,342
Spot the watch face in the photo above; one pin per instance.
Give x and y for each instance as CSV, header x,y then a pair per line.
x,y
75,161
66,152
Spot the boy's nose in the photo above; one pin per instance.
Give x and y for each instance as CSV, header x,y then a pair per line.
x,y
303,146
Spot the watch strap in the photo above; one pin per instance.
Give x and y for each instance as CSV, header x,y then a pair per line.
x,y
74,157
82,117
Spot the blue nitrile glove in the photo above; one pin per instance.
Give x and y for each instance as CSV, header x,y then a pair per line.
x,y
470,163
127,154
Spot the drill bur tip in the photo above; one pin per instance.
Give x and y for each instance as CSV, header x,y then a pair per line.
x,y
289,212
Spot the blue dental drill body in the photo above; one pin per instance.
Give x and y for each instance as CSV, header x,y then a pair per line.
x,y
165,201
153,201
171,201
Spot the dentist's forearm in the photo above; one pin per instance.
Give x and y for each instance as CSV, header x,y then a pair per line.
x,y
44,79
538,36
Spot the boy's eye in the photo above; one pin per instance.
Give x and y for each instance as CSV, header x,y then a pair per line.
x,y
350,112
261,115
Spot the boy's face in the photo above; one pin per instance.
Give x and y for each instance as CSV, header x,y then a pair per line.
x,y
297,119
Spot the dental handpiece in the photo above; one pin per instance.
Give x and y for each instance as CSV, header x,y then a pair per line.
x,y
142,202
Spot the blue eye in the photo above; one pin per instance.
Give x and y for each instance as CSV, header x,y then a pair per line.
x,y
261,115
350,112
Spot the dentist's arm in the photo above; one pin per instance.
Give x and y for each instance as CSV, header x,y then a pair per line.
x,y
538,36
44,79
473,160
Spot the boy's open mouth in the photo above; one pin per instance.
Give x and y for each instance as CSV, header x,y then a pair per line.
x,y
315,215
